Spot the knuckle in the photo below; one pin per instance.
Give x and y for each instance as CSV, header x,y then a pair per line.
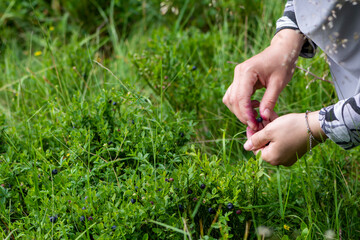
x,y
243,67
225,100
232,100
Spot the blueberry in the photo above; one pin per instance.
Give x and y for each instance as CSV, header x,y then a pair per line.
x,y
110,101
132,121
83,208
193,68
189,191
136,188
166,180
195,199
90,218
133,201
82,218
181,134
238,212
202,186
159,189
211,210
259,119
181,207
54,172
110,142
53,219
114,103
113,227
230,206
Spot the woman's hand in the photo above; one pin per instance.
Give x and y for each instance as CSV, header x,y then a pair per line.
x,y
285,139
271,69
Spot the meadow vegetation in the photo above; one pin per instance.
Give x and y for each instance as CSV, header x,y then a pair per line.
x,y
112,126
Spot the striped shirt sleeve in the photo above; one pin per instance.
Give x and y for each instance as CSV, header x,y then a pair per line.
x,y
341,122
288,21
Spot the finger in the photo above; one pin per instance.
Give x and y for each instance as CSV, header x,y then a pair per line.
x,y
273,116
249,132
255,103
246,80
226,97
269,99
257,140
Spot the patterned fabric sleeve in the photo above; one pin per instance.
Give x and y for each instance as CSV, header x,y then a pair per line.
x,y
288,21
341,122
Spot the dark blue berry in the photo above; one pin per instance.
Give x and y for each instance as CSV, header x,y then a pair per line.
x,y
181,207
114,103
259,119
54,172
211,210
166,180
82,218
189,191
113,227
83,208
136,188
193,68
109,143
202,186
53,219
90,218
132,121
230,206
159,189
133,201
181,134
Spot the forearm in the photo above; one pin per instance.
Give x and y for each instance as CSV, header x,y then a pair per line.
x,y
290,42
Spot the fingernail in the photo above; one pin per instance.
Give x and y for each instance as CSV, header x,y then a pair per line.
x,y
266,114
248,145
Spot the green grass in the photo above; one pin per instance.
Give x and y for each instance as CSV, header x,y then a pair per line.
x,y
169,121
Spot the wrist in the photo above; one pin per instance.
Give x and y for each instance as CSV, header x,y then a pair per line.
x,y
290,42
314,125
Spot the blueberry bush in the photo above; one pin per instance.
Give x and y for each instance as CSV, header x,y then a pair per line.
x,y
112,126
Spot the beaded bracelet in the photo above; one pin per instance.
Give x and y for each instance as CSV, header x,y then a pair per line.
x,y
311,136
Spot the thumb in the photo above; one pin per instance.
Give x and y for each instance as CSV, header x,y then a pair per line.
x,y
257,141
269,99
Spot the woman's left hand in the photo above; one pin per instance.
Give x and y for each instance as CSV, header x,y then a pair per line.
x,y
285,139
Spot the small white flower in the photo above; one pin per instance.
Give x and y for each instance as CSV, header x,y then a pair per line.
x,y
264,231
329,234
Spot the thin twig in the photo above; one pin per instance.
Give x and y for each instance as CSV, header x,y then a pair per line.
x,y
312,74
